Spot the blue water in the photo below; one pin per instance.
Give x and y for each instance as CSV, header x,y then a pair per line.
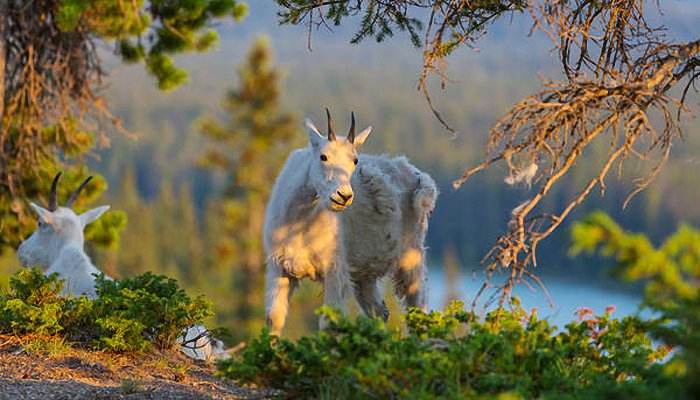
x,y
566,297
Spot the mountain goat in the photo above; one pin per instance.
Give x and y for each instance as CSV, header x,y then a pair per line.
x,y
57,244
346,220
57,247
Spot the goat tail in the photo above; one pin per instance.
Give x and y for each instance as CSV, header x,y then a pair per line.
x,y
425,194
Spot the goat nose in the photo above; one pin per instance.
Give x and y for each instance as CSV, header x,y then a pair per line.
x,y
345,196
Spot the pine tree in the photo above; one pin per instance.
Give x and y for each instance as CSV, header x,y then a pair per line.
x,y
139,240
249,148
51,111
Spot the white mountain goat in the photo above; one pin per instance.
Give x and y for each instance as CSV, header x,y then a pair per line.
x,y
57,244
57,247
346,220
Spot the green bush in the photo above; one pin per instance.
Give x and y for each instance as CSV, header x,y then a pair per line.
x,y
151,305
127,315
509,353
671,273
454,354
32,304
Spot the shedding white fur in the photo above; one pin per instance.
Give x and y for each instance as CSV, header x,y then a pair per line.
x,y
525,175
346,220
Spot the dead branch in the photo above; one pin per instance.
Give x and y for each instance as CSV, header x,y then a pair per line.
x,y
619,71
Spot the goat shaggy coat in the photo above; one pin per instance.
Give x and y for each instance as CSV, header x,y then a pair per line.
x,y
381,232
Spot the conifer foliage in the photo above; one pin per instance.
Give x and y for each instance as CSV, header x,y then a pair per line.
x,y
672,275
249,148
51,111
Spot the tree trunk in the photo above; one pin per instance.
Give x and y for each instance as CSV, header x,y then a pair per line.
x,y
251,282
4,8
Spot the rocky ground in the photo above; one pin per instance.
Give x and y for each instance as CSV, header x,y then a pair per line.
x,y
37,368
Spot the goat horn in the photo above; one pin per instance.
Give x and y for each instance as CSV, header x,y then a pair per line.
x,y
53,200
331,131
76,193
351,132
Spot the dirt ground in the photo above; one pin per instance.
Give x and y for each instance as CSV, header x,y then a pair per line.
x,y
34,368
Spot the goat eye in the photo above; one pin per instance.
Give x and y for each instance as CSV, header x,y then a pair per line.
x,y
355,161
324,157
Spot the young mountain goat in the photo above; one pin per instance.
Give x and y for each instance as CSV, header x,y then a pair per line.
x,y
57,244
346,220
57,247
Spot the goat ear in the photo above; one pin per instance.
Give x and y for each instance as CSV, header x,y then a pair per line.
x,y
362,136
44,214
315,137
92,215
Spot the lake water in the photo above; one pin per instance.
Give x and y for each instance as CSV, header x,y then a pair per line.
x,y
566,296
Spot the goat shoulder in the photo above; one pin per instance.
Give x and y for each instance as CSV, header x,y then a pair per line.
x,y
75,267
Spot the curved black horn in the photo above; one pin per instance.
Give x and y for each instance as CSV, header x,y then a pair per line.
x,y
331,131
76,193
351,132
53,200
